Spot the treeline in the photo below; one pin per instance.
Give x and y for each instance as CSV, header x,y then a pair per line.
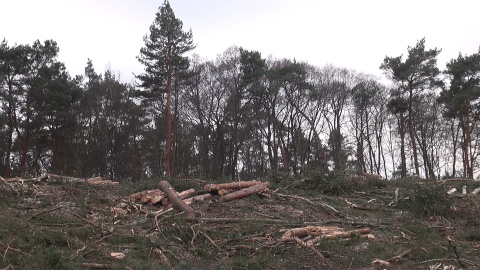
x,y
239,116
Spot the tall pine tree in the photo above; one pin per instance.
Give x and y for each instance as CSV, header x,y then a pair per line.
x,y
165,63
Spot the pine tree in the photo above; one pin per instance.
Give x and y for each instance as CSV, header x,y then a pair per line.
x,y
165,64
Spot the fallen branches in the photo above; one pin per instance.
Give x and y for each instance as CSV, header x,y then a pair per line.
x,y
352,205
321,232
165,261
46,211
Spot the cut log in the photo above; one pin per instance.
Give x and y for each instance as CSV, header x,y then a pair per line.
x,y
158,197
154,196
310,230
175,199
224,191
476,191
231,185
188,201
96,265
342,234
259,187
99,181
184,194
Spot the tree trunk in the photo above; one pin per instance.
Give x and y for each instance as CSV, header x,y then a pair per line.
x,y
411,130
169,116
175,199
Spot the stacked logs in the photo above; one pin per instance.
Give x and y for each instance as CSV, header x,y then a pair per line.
x,y
227,191
236,190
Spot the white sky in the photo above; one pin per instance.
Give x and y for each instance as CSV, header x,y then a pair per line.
x,y
355,34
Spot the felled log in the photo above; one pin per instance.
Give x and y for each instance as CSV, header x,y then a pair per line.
x,y
136,196
341,234
202,197
188,201
259,187
175,199
231,185
96,265
23,180
310,230
476,191
224,191
184,194
99,181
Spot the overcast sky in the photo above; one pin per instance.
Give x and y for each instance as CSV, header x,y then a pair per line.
x,y
350,33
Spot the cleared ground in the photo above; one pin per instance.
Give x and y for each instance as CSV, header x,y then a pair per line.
x,y
60,224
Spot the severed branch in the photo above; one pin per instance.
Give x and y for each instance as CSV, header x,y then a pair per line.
x,y
165,261
304,245
400,256
9,185
352,205
46,211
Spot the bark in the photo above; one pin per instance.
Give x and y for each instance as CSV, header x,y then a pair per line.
x,y
176,200
169,114
231,185
245,192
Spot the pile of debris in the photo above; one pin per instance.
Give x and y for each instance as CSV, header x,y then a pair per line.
x,y
169,198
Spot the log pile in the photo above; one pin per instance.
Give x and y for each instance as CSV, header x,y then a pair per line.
x,y
170,199
237,190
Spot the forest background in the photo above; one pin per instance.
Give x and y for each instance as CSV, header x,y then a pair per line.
x,y
239,116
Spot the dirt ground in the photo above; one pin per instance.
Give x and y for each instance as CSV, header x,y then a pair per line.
x,y
63,224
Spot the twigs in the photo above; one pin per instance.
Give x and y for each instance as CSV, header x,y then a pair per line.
x,y
295,197
352,205
8,247
450,243
89,222
46,211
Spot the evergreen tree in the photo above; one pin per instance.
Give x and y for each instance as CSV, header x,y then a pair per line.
x,y
165,64
461,102
417,73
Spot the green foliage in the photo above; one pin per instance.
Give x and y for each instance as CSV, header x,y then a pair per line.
x,y
339,183
426,200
